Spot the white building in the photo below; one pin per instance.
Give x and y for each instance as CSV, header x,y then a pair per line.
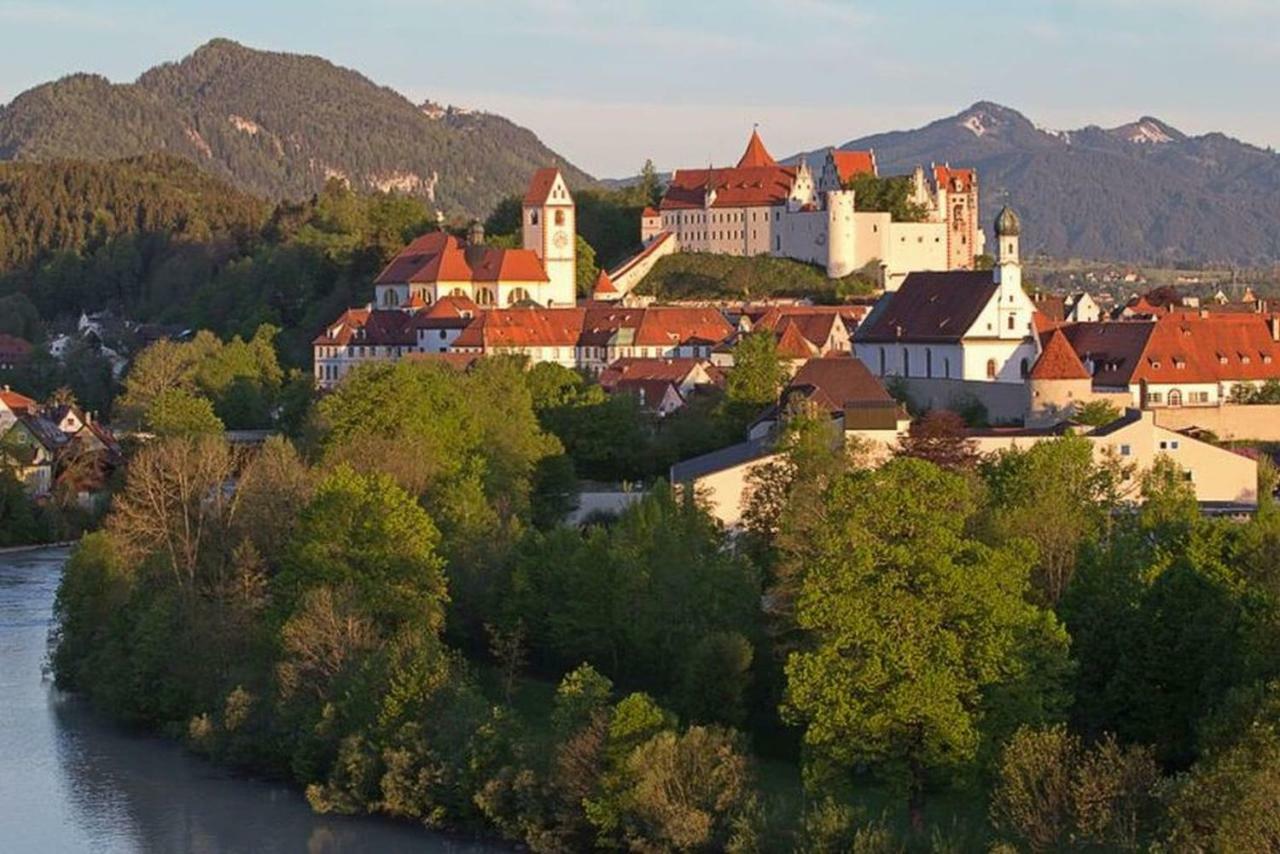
x,y
957,325
761,207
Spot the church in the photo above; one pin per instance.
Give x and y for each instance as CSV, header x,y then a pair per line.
x,y
542,271
762,207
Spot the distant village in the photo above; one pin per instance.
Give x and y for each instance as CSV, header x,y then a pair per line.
x,y
1183,375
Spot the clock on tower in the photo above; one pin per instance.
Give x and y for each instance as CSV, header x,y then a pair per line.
x,y
548,229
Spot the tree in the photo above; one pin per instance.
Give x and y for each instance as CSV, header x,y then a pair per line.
x,y
940,437
891,195
1054,793
179,413
1096,413
757,374
913,626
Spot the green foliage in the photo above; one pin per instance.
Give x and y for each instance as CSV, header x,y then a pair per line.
x,y
698,275
1267,393
915,627
889,194
175,412
758,372
20,524
1096,413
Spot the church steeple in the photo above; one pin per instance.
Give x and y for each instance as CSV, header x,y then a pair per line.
x,y
756,154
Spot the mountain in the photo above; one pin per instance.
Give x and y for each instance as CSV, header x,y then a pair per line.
x,y
1142,192
279,125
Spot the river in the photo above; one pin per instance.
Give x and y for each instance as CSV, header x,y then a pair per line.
x,y
71,781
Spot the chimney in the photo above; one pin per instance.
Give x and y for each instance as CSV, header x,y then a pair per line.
x,y
475,234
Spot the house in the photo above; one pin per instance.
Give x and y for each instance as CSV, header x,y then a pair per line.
x,y
1223,480
968,325
1080,307
13,404
361,335
31,446
657,396
541,272
1180,359
687,374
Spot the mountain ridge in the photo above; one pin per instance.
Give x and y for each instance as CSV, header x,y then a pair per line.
x,y
279,125
1143,191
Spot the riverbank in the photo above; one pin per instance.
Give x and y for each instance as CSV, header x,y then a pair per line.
x,y
71,780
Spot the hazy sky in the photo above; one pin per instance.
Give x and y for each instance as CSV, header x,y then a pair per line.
x,y
608,83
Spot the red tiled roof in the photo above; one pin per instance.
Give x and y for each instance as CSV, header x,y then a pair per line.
x,y
523,327
791,342
834,383
604,285
362,326
452,306
598,325
16,402
1209,349
648,212
669,326
441,257
851,163
675,370
1114,348
742,186
756,154
946,177
930,307
651,392
814,325
1058,361
540,187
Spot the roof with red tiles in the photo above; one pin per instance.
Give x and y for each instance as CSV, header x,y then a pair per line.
x,y
953,180
652,393
604,285
851,163
440,257
540,186
15,401
1058,361
756,154
1112,348
792,343
816,326
742,186
676,370
523,327
1209,349
930,307
372,327
835,383
595,325
648,212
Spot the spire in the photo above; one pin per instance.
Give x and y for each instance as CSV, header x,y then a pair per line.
x,y
1058,360
756,154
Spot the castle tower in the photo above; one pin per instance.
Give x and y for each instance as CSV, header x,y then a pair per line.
x,y
549,229
841,242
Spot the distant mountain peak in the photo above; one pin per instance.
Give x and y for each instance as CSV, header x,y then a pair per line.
x,y
1148,130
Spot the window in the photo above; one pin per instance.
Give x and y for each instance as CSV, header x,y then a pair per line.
x,y
1126,451
1013,319
1175,397
1024,369
517,295
533,217
946,367
881,361
928,361
906,362
1154,397
559,217
991,369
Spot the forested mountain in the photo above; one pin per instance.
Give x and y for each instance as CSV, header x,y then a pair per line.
x,y
1143,191
279,125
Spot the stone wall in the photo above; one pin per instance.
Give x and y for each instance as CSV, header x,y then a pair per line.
x,y
1005,402
1260,423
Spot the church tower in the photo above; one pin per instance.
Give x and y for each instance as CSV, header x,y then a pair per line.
x,y
1014,311
548,228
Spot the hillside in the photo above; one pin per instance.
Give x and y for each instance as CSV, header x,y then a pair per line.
x,y
697,275
1142,192
279,125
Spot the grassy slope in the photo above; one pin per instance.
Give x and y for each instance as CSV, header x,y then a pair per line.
x,y
697,275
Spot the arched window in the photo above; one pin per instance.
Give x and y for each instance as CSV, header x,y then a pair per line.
x,y
1013,318
928,361
881,361
906,362
517,295
991,369
485,296
390,299
1024,368
559,217
1175,397
457,292
533,217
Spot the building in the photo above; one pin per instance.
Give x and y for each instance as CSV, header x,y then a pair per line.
x,y
1223,480
688,375
762,207
14,351
1179,359
541,272
967,325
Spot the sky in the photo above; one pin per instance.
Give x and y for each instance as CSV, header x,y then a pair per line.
x,y
609,83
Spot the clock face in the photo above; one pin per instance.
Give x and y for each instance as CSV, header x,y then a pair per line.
x,y
561,240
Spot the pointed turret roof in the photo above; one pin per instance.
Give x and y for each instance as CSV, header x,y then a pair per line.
x,y
756,154
1058,360
791,342
604,285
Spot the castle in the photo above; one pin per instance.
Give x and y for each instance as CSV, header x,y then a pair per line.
x,y
761,207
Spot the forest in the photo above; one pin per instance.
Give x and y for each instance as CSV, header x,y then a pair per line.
x,y
941,653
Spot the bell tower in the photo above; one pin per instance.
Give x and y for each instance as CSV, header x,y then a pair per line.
x,y
548,228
